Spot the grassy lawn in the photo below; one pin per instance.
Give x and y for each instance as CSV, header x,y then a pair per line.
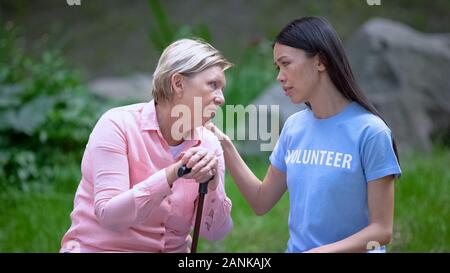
x,y
251,233
34,221
422,210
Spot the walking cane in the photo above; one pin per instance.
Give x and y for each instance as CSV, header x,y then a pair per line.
x,y
202,190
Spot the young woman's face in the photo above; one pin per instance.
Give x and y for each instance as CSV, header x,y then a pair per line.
x,y
298,74
206,89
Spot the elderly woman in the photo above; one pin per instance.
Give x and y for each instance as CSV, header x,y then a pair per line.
x,y
130,197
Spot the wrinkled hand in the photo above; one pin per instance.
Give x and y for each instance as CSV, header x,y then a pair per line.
x,y
203,165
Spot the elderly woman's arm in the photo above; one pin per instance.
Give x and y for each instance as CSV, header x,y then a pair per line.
x,y
118,207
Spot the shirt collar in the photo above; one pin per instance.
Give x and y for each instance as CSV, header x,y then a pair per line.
x,y
149,122
148,117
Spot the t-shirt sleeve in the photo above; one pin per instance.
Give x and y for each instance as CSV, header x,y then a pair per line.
x,y
277,158
378,157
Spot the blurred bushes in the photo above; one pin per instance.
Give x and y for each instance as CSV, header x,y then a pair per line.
x,y
46,114
252,73
166,31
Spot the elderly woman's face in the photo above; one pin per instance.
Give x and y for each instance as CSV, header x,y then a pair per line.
x,y
204,90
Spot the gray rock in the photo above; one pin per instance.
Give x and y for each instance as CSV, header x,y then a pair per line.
x,y
273,96
406,75
132,88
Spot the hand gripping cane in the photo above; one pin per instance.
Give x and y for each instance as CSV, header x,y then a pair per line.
x,y
202,190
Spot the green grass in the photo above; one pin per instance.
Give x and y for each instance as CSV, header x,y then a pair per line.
x,y
251,233
422,210
34,221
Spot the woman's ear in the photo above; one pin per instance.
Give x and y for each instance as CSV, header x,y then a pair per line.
x,y
321,63
176,82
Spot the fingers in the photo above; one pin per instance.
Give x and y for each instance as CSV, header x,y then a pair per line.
x,y
197,159
193,155
210,126
216,131
209,166
206,172
203,164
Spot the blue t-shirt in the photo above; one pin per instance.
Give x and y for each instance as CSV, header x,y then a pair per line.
x,y
328,163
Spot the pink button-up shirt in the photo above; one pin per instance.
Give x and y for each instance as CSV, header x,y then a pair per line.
x,y
124,203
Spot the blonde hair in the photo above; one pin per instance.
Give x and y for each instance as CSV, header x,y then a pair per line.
x,y
186,57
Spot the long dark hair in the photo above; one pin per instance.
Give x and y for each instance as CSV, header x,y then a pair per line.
x,y
315,35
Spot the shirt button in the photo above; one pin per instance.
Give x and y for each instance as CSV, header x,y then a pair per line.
x,y
162,224
162,234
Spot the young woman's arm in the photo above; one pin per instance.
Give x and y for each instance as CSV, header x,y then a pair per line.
x,y
261,196
379,230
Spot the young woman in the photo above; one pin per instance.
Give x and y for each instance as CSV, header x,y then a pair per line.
x,y
130,197
337,158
